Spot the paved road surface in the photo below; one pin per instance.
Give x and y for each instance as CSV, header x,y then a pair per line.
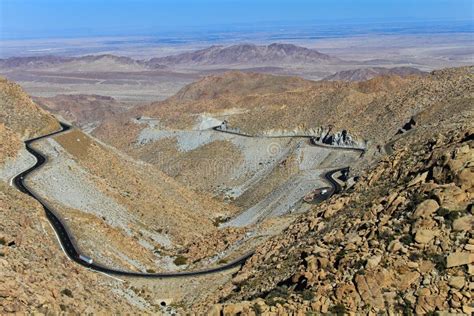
x,y
66,239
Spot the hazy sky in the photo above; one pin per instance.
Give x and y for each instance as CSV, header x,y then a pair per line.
x,y
56,18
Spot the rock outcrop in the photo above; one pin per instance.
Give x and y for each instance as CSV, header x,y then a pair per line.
x,y
401,242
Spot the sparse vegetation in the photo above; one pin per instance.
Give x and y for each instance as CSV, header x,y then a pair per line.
x,y
359,251
308,295
338,309
180,260
407,239
438,259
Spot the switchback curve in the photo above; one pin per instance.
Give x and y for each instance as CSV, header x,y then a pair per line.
x,y
71,250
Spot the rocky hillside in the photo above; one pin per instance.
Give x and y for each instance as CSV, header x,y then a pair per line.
x,y
372,110
20,119
373,248
250,54
401,241
122,213
10,143
21,115
36,276
265,176
82,110
153,204
363,74
131,201
232,84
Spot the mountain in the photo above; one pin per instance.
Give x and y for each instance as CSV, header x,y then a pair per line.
x,y
19,113
266,176
93,63
180,195
242,54
363,74
218,93
107,62
53,283
400,242
399,239
82,110
260,103
235,82
121,212
250,54
32,62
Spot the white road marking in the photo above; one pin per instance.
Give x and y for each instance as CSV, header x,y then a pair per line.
x,y
36,160
59,241
110,276
113,277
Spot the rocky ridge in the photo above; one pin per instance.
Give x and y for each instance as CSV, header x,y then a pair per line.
x,y
36,276
21,115
363,74
402,241
85,111
255,103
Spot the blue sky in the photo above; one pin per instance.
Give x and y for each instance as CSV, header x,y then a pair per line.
x,y
54,18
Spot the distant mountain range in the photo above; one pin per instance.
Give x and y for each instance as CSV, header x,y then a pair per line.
x,y
242,54
40,61
105,62
247,54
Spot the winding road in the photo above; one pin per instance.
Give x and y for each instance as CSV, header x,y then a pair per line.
x,y
67,241
311,137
